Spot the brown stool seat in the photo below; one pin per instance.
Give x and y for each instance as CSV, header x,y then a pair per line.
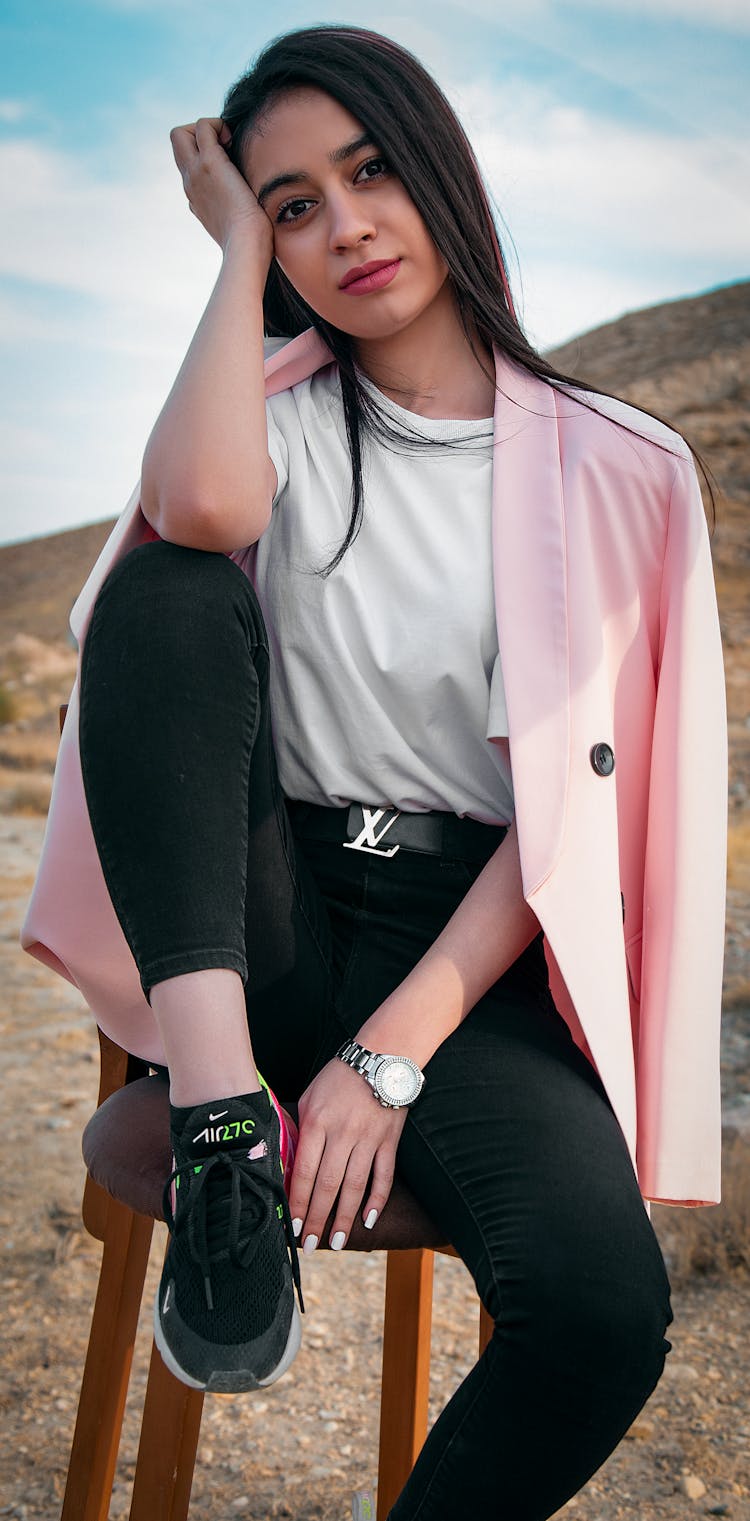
x,y
127,1151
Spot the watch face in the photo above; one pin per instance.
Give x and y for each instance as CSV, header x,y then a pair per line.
x,y
397,1080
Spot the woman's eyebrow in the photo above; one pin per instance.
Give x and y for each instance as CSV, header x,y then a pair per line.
x,y
295,176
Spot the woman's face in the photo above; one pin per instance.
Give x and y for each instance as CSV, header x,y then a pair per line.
x,y
334,216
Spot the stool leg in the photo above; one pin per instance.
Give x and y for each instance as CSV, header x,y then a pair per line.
x,y
486,1328
169,1441
96,1441
405,1382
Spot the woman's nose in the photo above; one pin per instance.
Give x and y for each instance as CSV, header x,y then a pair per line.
x,y
349,224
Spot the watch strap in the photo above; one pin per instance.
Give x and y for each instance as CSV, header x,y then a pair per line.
x,y
367,1062
358,1057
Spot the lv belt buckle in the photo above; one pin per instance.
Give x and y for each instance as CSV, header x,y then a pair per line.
x,y
367,839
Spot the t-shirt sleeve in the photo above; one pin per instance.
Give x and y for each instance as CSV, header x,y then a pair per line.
x,y
277,444
279,452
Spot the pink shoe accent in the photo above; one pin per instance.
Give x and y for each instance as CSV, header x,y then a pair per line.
x,y
289,1134
289,1139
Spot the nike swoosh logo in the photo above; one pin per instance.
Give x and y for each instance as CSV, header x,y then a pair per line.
x,y
165,1305
218,1116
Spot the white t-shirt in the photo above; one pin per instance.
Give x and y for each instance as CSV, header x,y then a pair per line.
x,y
385,675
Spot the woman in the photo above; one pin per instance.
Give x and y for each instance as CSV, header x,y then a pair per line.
x,y
296,737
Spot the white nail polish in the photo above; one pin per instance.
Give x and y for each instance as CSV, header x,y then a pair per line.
x,y
310,1244
338,1240
371,1218
296,1226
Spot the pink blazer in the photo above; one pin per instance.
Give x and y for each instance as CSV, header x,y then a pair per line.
x,y
612,660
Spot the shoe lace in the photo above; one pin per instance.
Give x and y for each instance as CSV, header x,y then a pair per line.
x,y
204,1219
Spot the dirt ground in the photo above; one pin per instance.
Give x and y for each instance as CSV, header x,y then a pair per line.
x,y
301,1449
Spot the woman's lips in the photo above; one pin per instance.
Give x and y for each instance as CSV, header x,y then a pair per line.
x,y
376,281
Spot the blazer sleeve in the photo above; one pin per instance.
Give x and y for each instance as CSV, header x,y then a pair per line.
x,y
684,898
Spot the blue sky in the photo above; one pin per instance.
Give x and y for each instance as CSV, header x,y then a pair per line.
x,y
613,136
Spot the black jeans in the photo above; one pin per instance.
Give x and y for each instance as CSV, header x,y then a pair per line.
x,y
513,1147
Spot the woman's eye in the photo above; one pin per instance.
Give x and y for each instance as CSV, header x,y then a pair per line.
x,y
370,161
299,201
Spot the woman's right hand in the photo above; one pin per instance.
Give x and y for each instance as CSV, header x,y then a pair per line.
x,y
216,191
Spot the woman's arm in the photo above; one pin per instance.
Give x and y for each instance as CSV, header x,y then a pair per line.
x,y
206,478
489,930
345,1135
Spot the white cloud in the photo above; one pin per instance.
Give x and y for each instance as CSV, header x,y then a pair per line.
x,y
13,110
114,273
732,15
727,15
96,331
563,176
120,237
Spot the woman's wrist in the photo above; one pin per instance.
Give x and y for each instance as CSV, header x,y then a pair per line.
x,y
242,246
491,927
417,1016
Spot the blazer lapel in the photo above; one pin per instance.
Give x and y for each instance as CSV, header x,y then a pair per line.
x,y
531,609
298,359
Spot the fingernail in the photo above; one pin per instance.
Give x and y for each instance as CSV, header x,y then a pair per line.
x,y
296,1226
371,1218
338,1240
310,1244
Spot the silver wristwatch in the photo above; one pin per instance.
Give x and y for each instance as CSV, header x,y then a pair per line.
x,y
396,1081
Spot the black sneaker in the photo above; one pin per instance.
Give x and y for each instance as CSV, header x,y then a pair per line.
x,y
225,1318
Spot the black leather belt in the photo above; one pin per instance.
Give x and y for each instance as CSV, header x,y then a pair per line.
x,y
384,831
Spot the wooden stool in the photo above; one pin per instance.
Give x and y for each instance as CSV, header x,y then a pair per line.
x,y
128,1158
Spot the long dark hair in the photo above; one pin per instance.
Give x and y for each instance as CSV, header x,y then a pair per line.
x,y
386,88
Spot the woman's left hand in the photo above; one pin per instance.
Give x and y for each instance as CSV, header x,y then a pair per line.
x,y
344,1133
